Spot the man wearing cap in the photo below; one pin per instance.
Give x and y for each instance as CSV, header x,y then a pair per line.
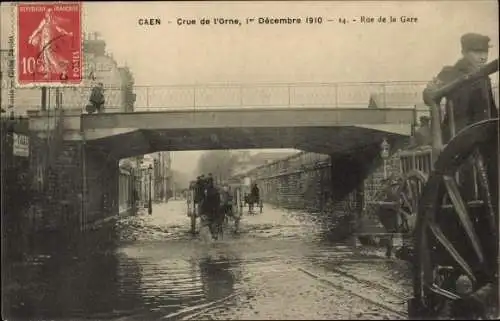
x,y
199,193
96,100
422,135
210,179
468,105
472,103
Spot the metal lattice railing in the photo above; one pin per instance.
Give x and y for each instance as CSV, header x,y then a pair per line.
x,y
333,95
302,95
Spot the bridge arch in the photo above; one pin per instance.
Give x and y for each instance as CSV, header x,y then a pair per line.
x,y
94,144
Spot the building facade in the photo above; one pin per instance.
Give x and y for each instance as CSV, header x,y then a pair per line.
x,y
151,176
145,178
99,67
163,180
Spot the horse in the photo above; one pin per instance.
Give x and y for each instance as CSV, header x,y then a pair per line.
x,y
251,200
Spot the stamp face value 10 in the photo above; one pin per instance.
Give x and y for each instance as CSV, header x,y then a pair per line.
x,y
49,44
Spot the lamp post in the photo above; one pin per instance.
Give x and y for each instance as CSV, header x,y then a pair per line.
x,y
150,203
385,154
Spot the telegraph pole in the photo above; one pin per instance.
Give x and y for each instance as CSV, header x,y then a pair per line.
x,y
150,202
44,99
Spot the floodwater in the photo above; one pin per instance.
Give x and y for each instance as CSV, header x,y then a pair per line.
x,y
150,268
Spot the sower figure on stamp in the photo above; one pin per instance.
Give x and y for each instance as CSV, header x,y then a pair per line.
x,y
43,37
96,100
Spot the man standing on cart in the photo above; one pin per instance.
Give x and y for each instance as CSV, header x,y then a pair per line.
x,y
254,197
422,135
470,104
465,106
226,201
210,208
199,192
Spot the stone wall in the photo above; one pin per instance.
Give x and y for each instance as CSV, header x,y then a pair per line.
x,y
68,201
377,188
101,197
15,189
349,172
329,187
307,188
310,188
296,182
375,181
338,188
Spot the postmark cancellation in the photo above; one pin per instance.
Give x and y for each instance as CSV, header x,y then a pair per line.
x,y
48,44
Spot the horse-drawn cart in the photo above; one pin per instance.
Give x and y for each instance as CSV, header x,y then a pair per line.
x,y
448,207
238,192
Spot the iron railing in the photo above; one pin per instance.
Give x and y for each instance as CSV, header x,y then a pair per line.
x,y
299,95
328,95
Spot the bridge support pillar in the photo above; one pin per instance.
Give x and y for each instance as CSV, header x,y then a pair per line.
x,y
348,173
100,181
77,187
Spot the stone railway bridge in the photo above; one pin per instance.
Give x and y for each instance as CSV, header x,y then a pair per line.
x,y
85,168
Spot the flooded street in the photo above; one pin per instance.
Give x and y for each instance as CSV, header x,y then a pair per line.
x,y
150,268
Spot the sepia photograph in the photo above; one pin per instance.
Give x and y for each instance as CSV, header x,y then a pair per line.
x,y
250,160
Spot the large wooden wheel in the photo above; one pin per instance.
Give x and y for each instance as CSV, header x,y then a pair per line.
x,y
456,263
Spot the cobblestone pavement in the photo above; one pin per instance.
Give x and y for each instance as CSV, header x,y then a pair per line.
x,y
275,268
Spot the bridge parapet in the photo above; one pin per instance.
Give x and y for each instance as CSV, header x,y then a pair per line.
x,y
294,95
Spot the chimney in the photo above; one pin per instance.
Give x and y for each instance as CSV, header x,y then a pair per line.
x,y
93,45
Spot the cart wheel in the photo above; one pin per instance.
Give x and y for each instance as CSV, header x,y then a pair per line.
x,y
409,193
456,266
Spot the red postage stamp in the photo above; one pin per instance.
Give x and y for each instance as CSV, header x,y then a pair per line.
x,y
49,44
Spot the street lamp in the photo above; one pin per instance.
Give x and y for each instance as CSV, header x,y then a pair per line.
x,y
385,155
150,203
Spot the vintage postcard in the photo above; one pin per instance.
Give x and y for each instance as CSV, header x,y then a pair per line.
x,y
250,160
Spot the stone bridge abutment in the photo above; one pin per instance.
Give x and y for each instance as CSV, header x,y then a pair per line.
x,y
77,188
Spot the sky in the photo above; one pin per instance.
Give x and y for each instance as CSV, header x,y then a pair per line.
x,y
172,54
187,161
169,54
330,52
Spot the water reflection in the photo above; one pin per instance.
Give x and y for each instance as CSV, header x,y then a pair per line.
x,y
93,286
161,273
217,275
175,277
76,278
